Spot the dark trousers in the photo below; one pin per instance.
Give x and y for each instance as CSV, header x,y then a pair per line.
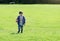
x,y
20,29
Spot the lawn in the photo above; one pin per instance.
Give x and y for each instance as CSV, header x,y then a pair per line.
x,y
42,22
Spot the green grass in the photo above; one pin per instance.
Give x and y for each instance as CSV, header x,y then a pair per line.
x,y
42,23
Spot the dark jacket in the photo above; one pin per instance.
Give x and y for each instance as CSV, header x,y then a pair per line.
x,y
18,20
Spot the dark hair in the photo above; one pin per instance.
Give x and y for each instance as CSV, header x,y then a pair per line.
x,y
20,12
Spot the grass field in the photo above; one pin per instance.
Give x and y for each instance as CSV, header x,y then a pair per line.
x,y
42,22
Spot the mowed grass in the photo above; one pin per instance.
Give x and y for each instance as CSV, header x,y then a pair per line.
x,y
42,23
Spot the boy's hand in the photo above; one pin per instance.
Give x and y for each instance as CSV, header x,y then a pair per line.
x,y
16,20
24,24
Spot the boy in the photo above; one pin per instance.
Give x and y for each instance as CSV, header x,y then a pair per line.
x,y
20,21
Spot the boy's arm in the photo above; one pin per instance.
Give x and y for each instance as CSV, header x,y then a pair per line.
x,y
17,19
24,20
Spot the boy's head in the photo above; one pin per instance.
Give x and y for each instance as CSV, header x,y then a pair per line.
x,y
21,13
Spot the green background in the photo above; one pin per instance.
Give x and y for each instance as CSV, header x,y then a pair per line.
x,y
42,22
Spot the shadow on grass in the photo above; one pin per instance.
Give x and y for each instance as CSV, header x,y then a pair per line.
x,y
13,33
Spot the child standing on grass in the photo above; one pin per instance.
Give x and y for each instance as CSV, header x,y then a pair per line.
x,y
20,21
